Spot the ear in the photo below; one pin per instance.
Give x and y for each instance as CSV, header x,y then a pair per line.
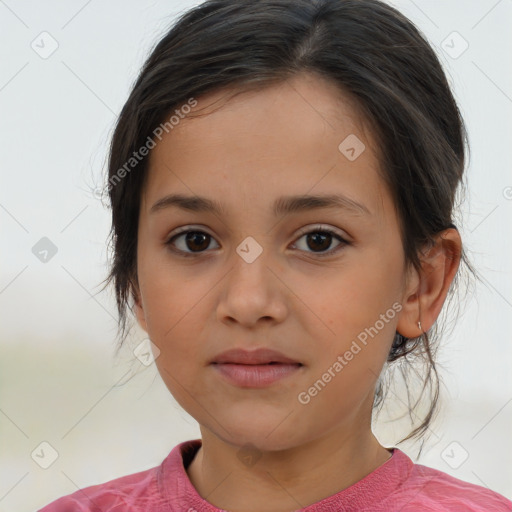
x,y
138,308
426,291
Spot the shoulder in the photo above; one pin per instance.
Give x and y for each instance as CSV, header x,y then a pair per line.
x,y
154,489
135,490
432,490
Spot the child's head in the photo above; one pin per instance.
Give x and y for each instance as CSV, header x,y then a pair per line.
x,y
245,104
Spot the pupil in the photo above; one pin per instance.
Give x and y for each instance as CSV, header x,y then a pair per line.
x,y
319,237
193,237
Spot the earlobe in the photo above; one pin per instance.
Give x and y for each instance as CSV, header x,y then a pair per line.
x,y
424,298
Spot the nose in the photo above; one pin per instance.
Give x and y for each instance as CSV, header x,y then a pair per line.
x,y
252,292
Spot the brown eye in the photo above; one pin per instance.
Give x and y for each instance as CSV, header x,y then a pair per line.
x,y
190,242
195,242
319,240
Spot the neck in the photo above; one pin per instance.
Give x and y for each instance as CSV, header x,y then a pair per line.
x,y
284,480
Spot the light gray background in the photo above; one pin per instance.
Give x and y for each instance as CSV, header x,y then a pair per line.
x,y
59,381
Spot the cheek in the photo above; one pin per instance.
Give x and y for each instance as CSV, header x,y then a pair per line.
x,y
173,312
166,297
176,328
175,305
357,306
356,295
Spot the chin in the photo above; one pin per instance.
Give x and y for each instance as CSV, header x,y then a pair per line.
x,y
260,433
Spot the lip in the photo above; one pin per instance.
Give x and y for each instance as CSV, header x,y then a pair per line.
x,y
259,356
256,375
254,369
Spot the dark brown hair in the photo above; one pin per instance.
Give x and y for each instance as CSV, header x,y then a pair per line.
x,y
371,52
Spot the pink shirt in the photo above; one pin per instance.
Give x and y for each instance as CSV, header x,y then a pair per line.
x,y
396,485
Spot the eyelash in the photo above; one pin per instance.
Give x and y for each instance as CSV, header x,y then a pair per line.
x,y
315,229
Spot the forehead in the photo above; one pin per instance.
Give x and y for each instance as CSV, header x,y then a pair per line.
x,y
258,144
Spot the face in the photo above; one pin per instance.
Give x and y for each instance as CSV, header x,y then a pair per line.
x,y
321,285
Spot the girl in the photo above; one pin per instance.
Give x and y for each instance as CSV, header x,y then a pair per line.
x,y
312,150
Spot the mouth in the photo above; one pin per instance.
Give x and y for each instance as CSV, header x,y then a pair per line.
x,y
255,369
256,375
262,356
276,363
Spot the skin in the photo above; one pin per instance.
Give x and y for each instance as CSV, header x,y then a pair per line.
x,y
258,146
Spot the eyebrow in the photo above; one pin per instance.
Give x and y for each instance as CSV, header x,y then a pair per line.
x,y
282,206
